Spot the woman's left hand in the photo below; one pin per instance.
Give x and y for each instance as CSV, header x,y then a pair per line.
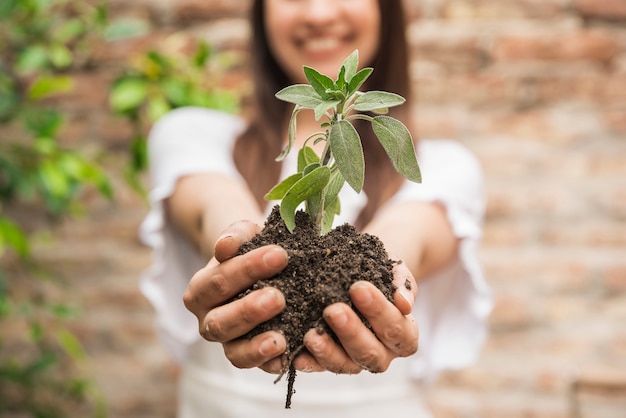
x,y
394,331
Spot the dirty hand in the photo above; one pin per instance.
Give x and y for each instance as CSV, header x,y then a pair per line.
x,y
225,276
394,330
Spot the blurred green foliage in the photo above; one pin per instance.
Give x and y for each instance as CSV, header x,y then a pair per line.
x,y
44,371
42,364
156,82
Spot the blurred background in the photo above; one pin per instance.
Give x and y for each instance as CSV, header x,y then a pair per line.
x,y
535,88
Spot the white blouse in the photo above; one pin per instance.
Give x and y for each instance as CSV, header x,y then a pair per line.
x,y
451,308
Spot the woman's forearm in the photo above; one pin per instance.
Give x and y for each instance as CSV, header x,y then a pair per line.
x,y
203,205
418,233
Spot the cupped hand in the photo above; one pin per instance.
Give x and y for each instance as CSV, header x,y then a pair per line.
x,y
224,277
394,331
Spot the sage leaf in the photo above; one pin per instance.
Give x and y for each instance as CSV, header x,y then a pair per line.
x,y
374,100
398,144
329,216
320,82
300,94
280,190
359,78
323,107
306,156
332,190
307,186
345,145
350,65
291,137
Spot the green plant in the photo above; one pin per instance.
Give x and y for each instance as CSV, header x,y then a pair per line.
x,y
319,179
158,81
42,364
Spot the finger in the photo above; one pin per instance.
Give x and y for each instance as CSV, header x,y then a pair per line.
x,y
326,355
257,351
230,321
231,239
359,343
406,292
305,362
217,283
398,332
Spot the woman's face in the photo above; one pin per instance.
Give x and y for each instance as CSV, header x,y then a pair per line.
x,y
321,33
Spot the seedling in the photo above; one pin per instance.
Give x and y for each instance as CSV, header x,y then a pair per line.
x,y
337,103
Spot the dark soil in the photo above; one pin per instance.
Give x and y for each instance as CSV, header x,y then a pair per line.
x,y
321,269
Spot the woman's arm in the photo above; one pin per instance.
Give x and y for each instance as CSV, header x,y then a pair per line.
x,y
418,233
203,205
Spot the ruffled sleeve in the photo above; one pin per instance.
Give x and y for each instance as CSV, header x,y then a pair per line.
x,y
453,305
185,141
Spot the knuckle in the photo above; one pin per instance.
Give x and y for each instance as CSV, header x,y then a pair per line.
x,y
393,332
218,286
370,360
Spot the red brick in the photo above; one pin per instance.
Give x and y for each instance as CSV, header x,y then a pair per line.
x,y
615,278
606,9
589,45
188,11
511,312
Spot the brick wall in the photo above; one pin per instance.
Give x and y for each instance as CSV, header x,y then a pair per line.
x,y
537,89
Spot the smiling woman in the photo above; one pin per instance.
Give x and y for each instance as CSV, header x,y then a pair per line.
x,y
320,34
210,172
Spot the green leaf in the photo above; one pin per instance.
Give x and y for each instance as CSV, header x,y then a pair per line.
x,y
359,78
329,215
32,58
301,94
374,100
320,109
48,85
350,65
280,190
307,186
11,235
128,94
157,107
306,156
397,142
345,144
291,134
332,191
320,82
60,56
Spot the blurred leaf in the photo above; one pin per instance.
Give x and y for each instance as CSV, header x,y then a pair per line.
x,y
12,236
44,86
60,56
34,57
126,28
128,94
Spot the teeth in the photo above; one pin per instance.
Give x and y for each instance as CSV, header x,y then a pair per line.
x,y
322,44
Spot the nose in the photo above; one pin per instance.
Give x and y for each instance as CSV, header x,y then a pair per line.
x,y
320,11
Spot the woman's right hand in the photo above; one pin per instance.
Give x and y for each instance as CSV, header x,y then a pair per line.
x,y
224,277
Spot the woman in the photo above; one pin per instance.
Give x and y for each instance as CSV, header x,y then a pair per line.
x,y
209,173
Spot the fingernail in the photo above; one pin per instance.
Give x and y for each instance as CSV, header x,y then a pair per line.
x,y
268,348
313,344
224,236
275,258
336,316
361,293
406,295
268,299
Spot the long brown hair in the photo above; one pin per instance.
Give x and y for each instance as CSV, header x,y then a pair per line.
x,y
258,146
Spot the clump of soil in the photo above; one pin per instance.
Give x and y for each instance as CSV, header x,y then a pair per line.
x,y
321,269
